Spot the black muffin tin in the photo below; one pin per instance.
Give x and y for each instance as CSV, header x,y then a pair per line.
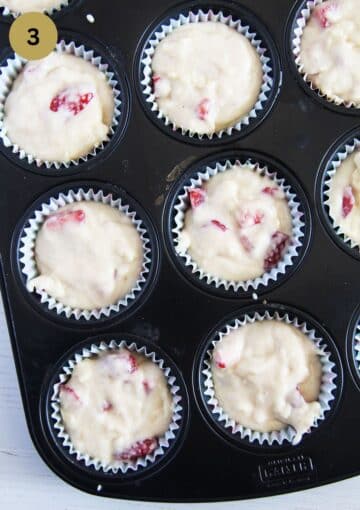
x,y
179,316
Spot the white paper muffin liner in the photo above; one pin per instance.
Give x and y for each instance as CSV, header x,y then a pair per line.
x,y
12,69
288,433
8,12
28,259
357,347
292,251
198,17
339,158
163,442
300,24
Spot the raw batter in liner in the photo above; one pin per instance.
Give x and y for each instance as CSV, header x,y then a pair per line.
x,y
116,406
330,49
206,77
239,225
21,6
59,108
88,255
344,197
267,375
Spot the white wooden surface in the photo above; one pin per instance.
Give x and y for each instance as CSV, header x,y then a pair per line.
x,y
25,482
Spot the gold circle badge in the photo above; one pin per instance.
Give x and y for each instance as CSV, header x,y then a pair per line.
x,y
33,35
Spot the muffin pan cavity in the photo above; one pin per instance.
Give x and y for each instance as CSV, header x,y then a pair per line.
x,y
331,379
199,174
174,313
24,251
94,53
168,444
298,19
342,149
236,17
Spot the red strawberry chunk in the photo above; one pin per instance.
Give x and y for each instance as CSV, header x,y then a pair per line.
x,y
249,219
268,190
219,225
70,391
348,201
279,242
57,220
322,12
203,109
197,197
107,406
246,243
130,362
71,102
218,361
156,78
138,450
147,387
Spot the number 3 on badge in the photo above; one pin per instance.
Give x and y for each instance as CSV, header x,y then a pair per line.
x,y
33,35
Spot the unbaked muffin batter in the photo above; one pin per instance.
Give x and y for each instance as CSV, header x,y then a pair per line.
x,y
88,255
344,197
59,108
21,6
206,76
267,375
330,49
116,406
238,226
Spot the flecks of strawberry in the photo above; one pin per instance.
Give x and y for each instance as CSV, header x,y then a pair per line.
x,y
272,191
107,406
218,361
70,391
203,109
130,362
138,450
249,219
246,243
197,197
147,387
322,13
71,102
59,219
348,201
219,225
279,242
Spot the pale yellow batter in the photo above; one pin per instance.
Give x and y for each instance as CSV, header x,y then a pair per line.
x,y
59,108
267,375
239,228
344,197
116,406
21,6
88,255
206,77
330,49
